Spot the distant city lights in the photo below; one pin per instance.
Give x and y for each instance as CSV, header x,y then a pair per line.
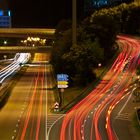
x,y
33,41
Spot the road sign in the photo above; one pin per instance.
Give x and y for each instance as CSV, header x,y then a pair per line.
x,y
56,106
62,77
62,86
62,80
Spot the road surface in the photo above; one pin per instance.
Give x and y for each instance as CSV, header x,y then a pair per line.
x,y
24,115
93,117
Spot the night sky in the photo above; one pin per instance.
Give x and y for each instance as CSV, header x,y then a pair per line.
x,y
41,13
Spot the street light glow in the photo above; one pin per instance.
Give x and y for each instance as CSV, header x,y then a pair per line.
x,y
5,42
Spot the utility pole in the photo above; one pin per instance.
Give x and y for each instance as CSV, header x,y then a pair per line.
x,y
74,22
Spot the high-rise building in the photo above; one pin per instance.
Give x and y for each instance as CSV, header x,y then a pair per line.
x,y
5,15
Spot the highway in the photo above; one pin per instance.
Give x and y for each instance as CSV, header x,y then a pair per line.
x,y
94,118
24,115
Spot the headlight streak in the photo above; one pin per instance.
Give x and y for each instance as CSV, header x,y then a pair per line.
x,y
20,58
8,74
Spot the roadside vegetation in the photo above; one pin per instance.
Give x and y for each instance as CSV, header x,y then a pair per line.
x,y
96,44
96,36
136,123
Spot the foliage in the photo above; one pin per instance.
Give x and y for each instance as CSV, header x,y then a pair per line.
x,y
61,46
138,70
82,58
105,29
62,26
95,35
126,17
137,96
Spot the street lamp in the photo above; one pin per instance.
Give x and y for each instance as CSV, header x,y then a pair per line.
x,y
99,65
5,42
74,18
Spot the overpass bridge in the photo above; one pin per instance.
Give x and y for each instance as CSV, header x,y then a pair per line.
x,y
16,49
26,32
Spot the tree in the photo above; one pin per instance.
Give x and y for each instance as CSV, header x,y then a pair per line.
x,y
105,29
62,44
82,58
138,70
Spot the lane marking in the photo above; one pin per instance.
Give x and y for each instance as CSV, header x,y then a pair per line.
x,y
53,125
46,102
126,103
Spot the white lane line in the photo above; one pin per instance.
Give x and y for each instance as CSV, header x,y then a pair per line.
x,y
125,103
46,103
53,125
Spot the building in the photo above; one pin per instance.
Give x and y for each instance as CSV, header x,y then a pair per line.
x,y
5,18
5,15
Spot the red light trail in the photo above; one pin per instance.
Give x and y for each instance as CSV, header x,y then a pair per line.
x,y
104,98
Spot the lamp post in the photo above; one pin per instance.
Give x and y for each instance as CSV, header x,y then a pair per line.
x,y
74,22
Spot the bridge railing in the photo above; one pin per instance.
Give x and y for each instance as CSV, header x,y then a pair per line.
x,y
15,49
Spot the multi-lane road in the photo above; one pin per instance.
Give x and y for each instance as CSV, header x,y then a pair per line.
x,y
24,115
102,115
95,117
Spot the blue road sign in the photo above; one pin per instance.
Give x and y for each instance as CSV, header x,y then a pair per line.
x,y
62,77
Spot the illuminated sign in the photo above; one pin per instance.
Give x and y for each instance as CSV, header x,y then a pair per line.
x,y
62,77
62,80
